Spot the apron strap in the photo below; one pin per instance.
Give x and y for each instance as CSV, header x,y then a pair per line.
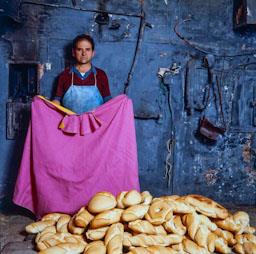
x,y
95,80
72,78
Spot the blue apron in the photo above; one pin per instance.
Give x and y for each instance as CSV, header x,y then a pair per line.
x,y
81,99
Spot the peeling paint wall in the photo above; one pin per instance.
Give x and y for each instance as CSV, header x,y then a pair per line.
x,y
140,38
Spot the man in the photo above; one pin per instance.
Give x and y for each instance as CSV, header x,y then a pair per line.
x,y
82,87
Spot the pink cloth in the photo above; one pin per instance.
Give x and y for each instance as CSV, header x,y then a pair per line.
x,y
61,169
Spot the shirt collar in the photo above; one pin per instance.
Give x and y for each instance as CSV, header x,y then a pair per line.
x,y
75,70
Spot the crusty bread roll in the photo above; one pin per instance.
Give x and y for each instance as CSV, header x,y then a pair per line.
x,y
62,223
228,236
175,226
192,248
60,238
177,204
144,226
250,230
152,250
83,218
221,246
53,240
207,206
96,247
134,212
244,238
238,248
52,216
249,248
138,250
192,222
160,230
143,240
238,222
158,213
114,239
161,250
72,228
106,218
146,198
206,221
96,234
64,248
46,233
39,226
128,198
101,202
166,198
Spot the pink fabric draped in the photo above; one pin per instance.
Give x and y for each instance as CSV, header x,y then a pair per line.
x,y
69,158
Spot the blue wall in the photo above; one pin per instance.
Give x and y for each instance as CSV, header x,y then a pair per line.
x,y
40,31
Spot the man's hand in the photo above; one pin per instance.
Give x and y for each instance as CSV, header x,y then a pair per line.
x,y
56,102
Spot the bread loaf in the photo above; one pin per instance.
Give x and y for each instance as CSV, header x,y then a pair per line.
x,y
101,202
134,212
144,226
207,206
158,213
143,240
177,204
59,238
106,218
46,233
39,226
96,234
52,216
175,226
72,228
192,248
62,223
146,198
114,239
228,236
96,247
64,248
153,250
138,250
83,218
128,198
238,222
244,238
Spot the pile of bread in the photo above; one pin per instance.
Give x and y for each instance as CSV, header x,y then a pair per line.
x,y
137,223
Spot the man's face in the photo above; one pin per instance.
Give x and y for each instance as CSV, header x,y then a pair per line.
x,y
83,52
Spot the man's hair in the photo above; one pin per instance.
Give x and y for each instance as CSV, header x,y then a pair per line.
x,y
82,37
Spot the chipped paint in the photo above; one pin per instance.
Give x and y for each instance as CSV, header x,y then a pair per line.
x,y
211,176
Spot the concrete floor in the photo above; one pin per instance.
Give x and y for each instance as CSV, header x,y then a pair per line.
x,y
13,238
